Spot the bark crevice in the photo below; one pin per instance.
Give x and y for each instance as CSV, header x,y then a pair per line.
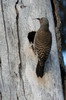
x,y
17,97
19,46
17,27
2,9
0,95
4,23
53,10
0,62
2,77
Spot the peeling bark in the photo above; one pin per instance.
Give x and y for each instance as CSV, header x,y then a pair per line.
x,y
57,20
58,26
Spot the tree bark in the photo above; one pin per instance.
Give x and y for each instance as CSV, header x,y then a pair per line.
x,y
18,80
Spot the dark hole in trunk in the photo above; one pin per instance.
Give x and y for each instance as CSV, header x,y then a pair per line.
x,y
31,36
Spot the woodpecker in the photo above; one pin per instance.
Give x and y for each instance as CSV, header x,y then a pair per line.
x,y
42,45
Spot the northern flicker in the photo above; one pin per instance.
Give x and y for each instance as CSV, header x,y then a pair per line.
x,y
42,45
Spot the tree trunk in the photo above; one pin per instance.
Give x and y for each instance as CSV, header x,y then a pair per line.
x,y
18,79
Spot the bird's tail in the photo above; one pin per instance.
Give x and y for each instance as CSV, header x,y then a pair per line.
x,y
40,70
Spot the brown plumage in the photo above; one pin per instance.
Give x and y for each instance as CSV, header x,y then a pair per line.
x,y
42,45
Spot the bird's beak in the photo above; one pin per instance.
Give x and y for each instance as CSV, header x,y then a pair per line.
x,y
37,19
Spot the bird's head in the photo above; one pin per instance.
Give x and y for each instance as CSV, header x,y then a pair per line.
x,y
44,22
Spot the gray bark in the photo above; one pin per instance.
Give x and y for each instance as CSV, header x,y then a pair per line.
x,y
18,80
